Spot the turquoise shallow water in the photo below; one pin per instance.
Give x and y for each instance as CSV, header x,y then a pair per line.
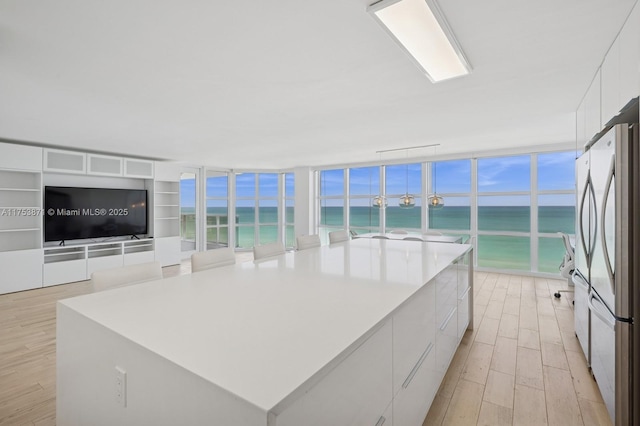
x,y
502,252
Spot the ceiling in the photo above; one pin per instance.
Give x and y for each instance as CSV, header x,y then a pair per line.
x,y
251,84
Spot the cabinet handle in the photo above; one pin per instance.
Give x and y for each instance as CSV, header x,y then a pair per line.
x,y
446,321
381,421
465,293
417,366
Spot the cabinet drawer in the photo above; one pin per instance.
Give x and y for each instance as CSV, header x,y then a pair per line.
x,y
65,272
463,313
414,327
356,392
412,403
141,257
101,263
446,340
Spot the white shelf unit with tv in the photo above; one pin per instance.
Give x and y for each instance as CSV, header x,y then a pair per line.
x,y
166,208
20,217
64,264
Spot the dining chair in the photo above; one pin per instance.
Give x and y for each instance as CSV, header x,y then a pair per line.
x,y
434,233
380,237
304,242
338,236
412,239
568,264
215,258
130,274
268,250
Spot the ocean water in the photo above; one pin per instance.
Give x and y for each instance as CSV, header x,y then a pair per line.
x,y
495,251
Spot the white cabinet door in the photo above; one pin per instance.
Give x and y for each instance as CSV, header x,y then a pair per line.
x,y
593,122
413,330
65,161
166,171
65,272
102,165
411,405
21,270
610,90
630,57
167,251
20,157
356,392
138,168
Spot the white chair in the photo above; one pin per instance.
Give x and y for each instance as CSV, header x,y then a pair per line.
x,y
568,264
338,236
131,274
380,237
434,233
210,259
268,250
399,231
412,239
304,242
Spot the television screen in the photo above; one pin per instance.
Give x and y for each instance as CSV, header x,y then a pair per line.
x,y
78,213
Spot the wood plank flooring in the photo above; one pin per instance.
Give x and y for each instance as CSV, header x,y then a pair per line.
x,y
521,365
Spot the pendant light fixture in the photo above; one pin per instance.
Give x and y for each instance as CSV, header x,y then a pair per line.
x,y
434,201
407,201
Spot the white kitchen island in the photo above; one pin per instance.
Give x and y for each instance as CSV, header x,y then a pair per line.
x,y
356,333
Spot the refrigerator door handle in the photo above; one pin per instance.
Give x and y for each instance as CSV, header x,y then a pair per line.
x,y
579,280
603,237
607,317
594,236
583,198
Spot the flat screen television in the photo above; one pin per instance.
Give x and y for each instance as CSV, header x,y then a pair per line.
x,y
72,213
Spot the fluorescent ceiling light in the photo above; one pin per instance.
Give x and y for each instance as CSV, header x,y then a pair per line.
x,y
420,28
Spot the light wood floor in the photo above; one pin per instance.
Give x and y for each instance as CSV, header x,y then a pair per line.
x,y
521,365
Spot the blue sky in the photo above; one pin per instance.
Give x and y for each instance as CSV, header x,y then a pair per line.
x,y
555,172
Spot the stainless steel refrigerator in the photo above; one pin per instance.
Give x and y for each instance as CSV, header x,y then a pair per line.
x,y
607,274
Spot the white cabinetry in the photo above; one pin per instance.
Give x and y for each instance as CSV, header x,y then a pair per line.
x,y
20,220
67,264
593,123
629,41
446,317
361,380
610,79
166,208
464,298
138,168
65,161
20,157
103,165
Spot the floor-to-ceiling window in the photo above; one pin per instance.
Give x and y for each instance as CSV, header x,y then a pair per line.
x,y
331,202
188,211
257,218
504,212
403,180
289,210
245,209
267,199
364,184
513,205
556,206
452,181
217,209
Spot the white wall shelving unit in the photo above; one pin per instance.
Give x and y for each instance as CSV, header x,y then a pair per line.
x,y
166,209
20,217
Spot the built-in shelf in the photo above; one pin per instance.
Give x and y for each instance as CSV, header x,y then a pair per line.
x,y
20,230
20,189
20,210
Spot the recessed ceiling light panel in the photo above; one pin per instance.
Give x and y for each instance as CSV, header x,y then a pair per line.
x,y
421,30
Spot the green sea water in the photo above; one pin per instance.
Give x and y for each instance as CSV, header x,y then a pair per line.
x,y
494,251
